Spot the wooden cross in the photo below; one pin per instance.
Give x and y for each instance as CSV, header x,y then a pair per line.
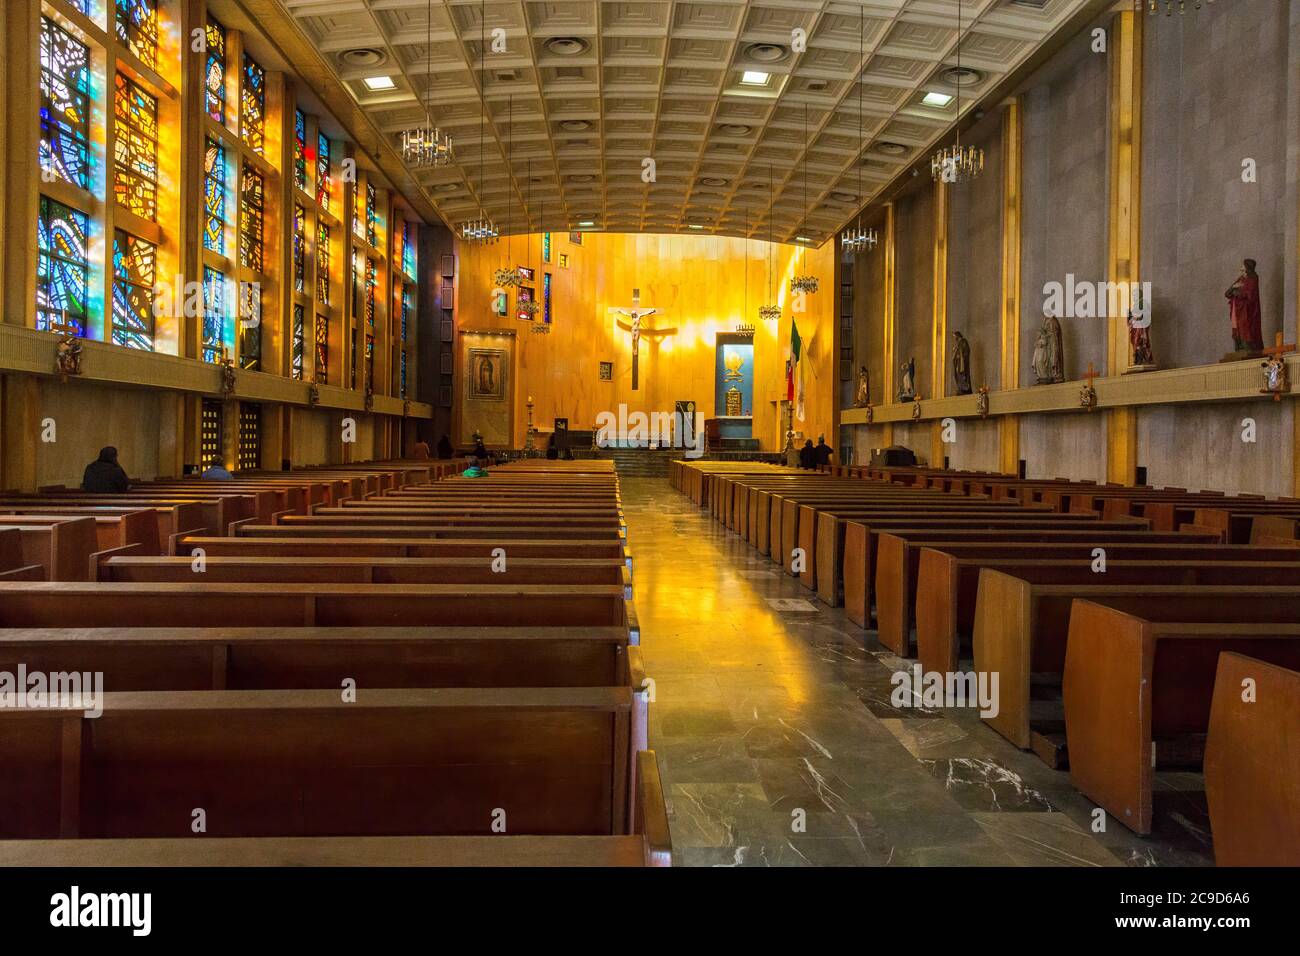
x,y
1091,374
1280,349
636,314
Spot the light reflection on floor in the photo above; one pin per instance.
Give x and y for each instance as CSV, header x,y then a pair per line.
x,y
779,746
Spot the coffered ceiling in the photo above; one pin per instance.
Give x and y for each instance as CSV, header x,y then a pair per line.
x,y
578,94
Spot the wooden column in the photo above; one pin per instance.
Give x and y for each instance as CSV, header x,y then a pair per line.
x,y
21,171
1124,246
939,323
891,316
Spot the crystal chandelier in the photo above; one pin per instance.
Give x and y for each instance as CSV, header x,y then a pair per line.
x,y
957,164
426,147
481,230
806,284
770,313
857,240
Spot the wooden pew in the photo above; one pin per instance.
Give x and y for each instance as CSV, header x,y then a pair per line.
x,y
1252,764
60,546
485,531
1023,629
864,573
1130,680
407,547
13,564
370,570
394,762
948,578
114,527
648,845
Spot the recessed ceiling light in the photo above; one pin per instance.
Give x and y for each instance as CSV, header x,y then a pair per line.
x,y
579,125
587,223
936,99
802,239
380,83
843,197
567,46
892,149
447,187
766,52
582,178
362,57
755,78
736,129
713,181
962,76
693,225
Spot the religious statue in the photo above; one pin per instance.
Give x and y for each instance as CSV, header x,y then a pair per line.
x,y
862,397
1049,353
370,397
916,408
961,363
227,376
1244,310
1140,356
67,356
982,401
907,382
313,395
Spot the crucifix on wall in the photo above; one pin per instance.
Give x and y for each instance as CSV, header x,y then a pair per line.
x,y
636,314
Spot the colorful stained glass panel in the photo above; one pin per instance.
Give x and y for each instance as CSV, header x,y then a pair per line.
x,y
65,106
61,269
134,273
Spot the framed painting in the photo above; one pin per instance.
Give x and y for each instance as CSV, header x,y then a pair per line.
x,y
485,378
607,371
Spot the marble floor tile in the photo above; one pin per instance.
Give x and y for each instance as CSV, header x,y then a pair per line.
x,y
779,743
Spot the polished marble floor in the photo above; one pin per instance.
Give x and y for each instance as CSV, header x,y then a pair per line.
x,y
779,746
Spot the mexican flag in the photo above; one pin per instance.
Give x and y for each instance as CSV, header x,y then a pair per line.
x,y
794,391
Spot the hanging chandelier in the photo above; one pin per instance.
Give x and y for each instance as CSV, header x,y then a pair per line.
x,y
426,147
957,164
481,230
857,240
770,313
805,284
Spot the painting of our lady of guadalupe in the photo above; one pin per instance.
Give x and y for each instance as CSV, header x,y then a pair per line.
x,y
487,375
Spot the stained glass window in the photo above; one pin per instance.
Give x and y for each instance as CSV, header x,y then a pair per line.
x,y
300,150
135,154
252,106
136,22
324,185
401,384
299,248
408,249
322,263
134,273
352,356
546,298
252,201
61,268
250,325
65,106
295,357
370,362
214,314
372,217
214,198
322,338
214,81
406,310
372,283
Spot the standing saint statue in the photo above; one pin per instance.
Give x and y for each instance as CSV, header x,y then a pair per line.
x,y
907,381
1049,353
862,397
1243,307
1140,355
961,363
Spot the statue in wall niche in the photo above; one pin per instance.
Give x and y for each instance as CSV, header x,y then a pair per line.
x,y
907,381
982,401
1244,310
227,376
313,395
1140,356
67,357
961,363
862,397
1049,353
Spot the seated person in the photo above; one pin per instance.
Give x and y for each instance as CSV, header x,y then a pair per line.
x,y
475,469
217,472
822,453
445,450
807,454
104,475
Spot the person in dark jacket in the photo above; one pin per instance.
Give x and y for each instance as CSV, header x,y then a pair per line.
x,y
806,454
104,475
444,448
822,453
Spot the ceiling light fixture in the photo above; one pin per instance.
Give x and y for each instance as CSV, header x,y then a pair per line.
x,y
755,78
481,230
770,313
805,283
858,240
957,164
936,99
427,147
378,83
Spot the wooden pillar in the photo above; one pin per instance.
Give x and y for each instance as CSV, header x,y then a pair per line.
x,y
1012,166
1124,247
20,412
21,171
939,319
891,316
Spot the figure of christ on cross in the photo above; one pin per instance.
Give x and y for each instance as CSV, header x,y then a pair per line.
x,y
636,314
